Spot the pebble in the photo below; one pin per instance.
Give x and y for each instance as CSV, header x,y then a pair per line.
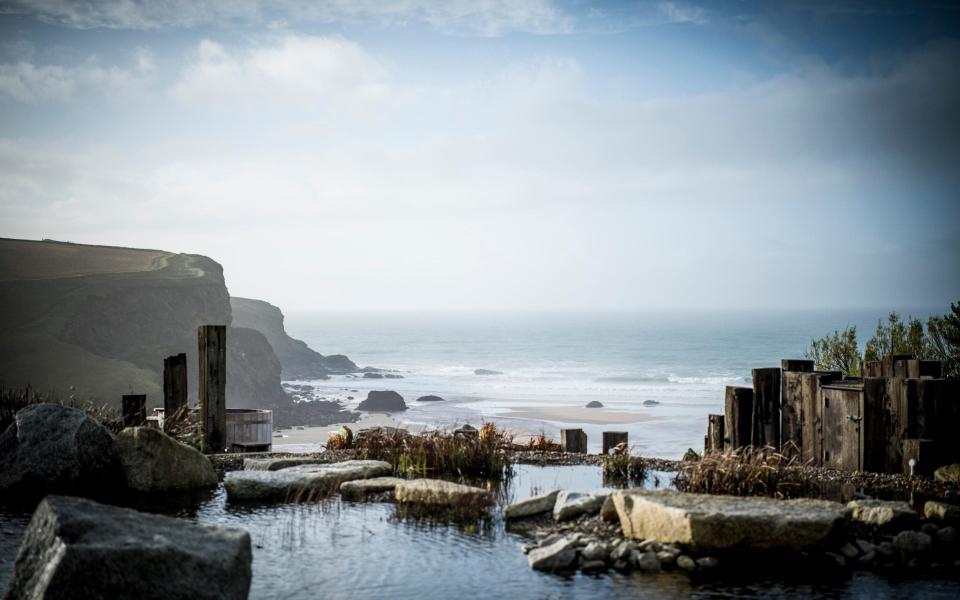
x,y
849,551
666,558
838,559
648,561
649,546
623,550
947,536
708,562
594,566
868,558
910,543
886,549
866,547
929,529
595,551
686,563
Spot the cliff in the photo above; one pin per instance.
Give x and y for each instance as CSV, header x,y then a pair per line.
x,y
96,322
297,360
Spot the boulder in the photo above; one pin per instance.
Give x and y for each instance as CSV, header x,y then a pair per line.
x,y
594,404
275,464
708,521
467,430
941,511
532,506
152,461
596,551
948,473
77,548
650,403
53,449
558,556
690,456
373,375
383,401
570,505
647,561
437,493
430,399
301,482
359,488
486,372
883,513
912,543
608,512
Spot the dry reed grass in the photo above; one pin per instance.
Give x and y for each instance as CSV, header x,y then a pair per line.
x,y
749,471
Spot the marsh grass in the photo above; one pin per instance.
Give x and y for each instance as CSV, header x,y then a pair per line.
x,y
13,400
749,471
621,469
440,453
541,443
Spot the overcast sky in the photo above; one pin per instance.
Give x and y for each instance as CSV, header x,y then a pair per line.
x,y
406,154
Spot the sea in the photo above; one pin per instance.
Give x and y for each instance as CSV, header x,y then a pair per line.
x,y
658,374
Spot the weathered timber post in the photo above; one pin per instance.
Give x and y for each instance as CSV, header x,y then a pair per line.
x,y
714,433
573,440
737,416
174,388
922,453
811,417
134,409
873,368
791,432
873,441
212,341
612,438
766,408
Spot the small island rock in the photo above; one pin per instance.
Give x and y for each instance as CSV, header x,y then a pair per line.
x,y
383,401
594,404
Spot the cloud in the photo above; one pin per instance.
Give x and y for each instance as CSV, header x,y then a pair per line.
x,y
486,17
31,83
290,69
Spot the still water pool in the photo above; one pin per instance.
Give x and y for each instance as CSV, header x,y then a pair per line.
x,y
361,550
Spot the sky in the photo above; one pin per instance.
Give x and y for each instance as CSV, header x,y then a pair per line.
x,y
378,155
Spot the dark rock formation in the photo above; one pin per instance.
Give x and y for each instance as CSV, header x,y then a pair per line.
x,y
383,401
53,449
486,372
430,399
75,548
297,360
594,404
373,375
152,461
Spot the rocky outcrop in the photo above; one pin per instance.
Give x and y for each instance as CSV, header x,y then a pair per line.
x,y
536,505
594,404
383,401
53,449
430,399
361,488
486,372
301,482
298,361
437,493
707,521
571,505
883,513
76,548
152,461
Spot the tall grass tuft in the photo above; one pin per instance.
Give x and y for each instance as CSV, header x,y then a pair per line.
x,y
623,468
439,453
748,471
541,443
13,400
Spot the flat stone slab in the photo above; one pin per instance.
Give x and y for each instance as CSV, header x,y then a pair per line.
x,y
359,488
301,482
536,505
558,556
883,513
571,505
708,521
153,461
442,494
275,464
77,548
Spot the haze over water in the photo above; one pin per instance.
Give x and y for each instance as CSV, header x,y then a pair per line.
x,y
680,360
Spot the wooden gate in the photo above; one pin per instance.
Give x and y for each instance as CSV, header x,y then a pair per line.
x,y
842,427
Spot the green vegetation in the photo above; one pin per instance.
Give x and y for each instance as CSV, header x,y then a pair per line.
x,y
437,453
619,469
939,340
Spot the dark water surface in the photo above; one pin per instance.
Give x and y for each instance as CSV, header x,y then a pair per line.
x,y
356,550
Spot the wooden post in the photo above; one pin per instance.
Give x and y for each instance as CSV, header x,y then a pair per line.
x,y
873,368
894,423
923,456
873,451
212,341
737,416
714,433
791,432
174,388
766,408
134,409
573,440
811,406
612,438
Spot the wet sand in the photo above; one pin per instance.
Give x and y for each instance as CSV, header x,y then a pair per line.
x,y
575,415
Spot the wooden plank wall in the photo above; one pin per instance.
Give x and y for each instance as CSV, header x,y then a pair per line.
x,y
791,432
766,408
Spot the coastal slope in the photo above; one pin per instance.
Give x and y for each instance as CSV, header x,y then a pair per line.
x,y
95,322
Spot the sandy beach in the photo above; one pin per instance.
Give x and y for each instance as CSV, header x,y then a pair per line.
x,y
576,414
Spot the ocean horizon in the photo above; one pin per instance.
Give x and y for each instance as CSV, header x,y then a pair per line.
x,y
658,374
